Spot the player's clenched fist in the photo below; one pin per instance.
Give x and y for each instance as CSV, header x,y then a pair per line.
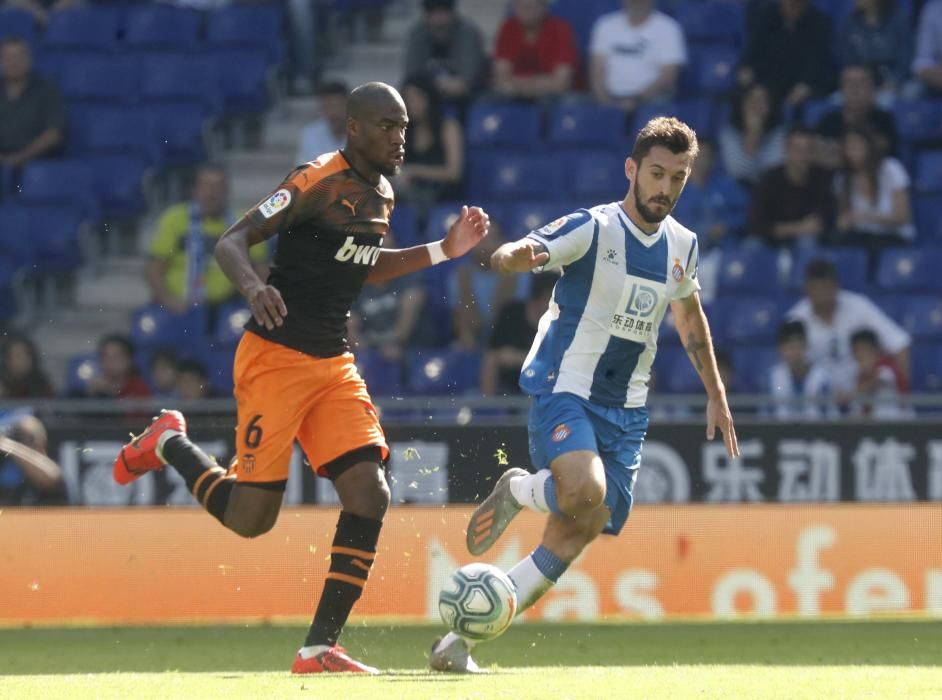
x,y
267,306
472,225
520,256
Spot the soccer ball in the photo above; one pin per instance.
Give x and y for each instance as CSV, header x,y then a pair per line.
x,y
478,602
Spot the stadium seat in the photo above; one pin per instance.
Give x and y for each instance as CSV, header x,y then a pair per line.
x,y
581,14
161,27
919,120
230,320
523,217
674,372
81,369
153,326
7,302
748,271
404,225
247,26
18,23
118,181
89,77
851,264
433,372
93,28
922,318
244,76
598,176
699,113
927,367
114,131
41,183
751,365
382,376
910,270
751,319
504,176
928,172
587,124
16,243
927,215
712,22
712,71
814,110
174,77
54,237
503,124
181,128
218,363
440,218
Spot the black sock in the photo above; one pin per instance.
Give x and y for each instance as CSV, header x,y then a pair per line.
x,y
206,480
351,557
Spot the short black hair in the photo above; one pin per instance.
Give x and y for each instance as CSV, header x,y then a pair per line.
x,y
117,339
792,330
165,354
865,336
14,39
431,5
800,130
821,269
193,367
333,88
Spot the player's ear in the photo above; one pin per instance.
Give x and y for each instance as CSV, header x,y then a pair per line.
x,y
353,126
631,169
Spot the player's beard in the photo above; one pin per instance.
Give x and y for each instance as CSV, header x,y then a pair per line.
x,y
646,213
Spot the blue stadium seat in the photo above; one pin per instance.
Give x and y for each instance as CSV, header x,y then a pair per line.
x,y
230,320
712,70
581,14
587,124
748,271
927,367
161,27
41,183
81,369
433,372
218,363
54,233
927,215
114,131
504,124
181,128
598,176
919,120
928,172
523,217
244,76
382,376
814,110
504,176
118,181
404,225
751,365
82,28
751,319
922,318
910,270
152,326
851,264
179,76
712,22
674,372
18,23
699,113
440,218
7,302
90,77
16,243
247,26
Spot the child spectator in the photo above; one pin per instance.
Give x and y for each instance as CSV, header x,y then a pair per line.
x,y
880,385
163,373
193,381
798,387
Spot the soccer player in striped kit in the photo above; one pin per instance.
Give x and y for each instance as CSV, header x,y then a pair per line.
x,y
587,371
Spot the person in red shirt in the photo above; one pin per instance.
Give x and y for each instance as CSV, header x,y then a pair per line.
x,y
118,378
536,53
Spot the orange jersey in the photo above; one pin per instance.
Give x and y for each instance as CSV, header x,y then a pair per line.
x,y
330,223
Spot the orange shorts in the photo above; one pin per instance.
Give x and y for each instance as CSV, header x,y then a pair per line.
x,y
283,395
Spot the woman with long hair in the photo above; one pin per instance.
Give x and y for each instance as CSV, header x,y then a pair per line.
x,y
21,372
754,140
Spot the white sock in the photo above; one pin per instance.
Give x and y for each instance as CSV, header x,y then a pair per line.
x,y
530,582
312,651
530,490
451,638
162,440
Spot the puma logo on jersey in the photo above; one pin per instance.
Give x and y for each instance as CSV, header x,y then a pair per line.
x,y
359,254
352,206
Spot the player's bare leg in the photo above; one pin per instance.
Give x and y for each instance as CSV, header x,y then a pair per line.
x,y
564,538
364,496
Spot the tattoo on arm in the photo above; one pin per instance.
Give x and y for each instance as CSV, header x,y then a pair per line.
x,y
693,347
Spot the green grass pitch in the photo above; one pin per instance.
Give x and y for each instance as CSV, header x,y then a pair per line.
x,y
861,659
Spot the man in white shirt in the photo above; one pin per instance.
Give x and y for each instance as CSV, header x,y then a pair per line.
x,y
831,315
329,133
635,55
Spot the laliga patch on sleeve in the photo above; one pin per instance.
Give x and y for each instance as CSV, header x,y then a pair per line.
x,y
553,226
274,204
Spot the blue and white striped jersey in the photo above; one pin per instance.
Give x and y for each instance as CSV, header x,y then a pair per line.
x,y
598,338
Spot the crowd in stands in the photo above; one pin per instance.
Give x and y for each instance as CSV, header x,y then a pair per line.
x,y
821,165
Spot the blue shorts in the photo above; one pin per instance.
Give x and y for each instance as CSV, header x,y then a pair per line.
x,y
561,423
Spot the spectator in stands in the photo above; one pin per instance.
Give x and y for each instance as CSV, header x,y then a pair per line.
x,y
858,109
788,49
880,385
877,34
328,133
434,163
477,294
182,270
118,378
635,55
800,388
794,203
831,315
713,205
21,372
754,139
163,373
927,63
873,196
447,48
28,477
512,337
32,119
193,381
40,9
536,55
385,316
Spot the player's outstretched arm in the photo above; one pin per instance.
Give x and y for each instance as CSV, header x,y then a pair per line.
x,y
694,331
519,256
232,254
470,228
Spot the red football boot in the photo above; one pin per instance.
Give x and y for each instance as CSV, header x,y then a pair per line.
x,y
143,453
332,660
